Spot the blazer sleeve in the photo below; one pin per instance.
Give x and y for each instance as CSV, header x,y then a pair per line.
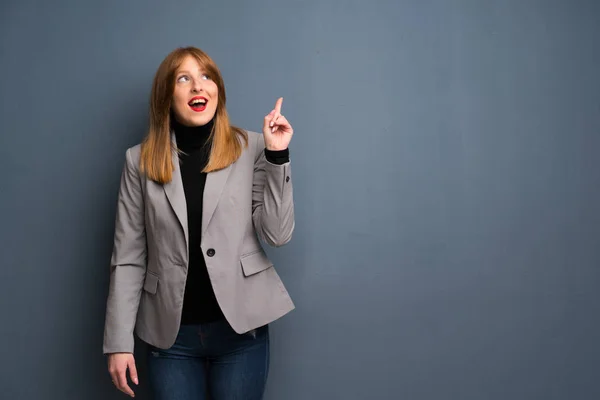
x,y
272,198
128,263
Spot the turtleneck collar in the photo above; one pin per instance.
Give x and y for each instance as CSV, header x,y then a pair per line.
x,y
191,138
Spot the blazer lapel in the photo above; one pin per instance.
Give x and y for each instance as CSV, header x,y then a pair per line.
x,y
215,182
176,196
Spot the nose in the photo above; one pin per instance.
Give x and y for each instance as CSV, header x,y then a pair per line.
x,y
196,86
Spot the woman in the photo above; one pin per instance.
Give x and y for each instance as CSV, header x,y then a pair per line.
x,y
188,273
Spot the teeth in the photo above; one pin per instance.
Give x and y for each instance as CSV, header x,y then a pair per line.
x,y
198,101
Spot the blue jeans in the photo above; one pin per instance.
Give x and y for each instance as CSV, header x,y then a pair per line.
x,y
211,362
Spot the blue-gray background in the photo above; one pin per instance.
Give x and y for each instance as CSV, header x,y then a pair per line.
x,y
447,187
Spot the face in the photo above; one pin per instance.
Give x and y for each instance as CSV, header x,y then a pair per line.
x,y
196,95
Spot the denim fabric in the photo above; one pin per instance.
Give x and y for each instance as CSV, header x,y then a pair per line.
x,y
211,362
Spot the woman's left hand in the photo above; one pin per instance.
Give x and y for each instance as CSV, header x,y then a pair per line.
x,y
276,129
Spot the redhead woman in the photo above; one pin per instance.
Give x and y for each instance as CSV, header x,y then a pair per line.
x,y
189,275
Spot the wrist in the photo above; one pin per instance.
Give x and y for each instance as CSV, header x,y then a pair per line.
x,y
275,148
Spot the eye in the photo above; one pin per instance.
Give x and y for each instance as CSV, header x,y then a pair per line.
x,y
205,77
183,78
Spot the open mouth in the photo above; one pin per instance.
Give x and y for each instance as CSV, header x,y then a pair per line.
x,y
198,104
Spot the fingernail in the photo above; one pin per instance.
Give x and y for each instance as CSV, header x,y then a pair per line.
x,y
272,129
271,124
135,381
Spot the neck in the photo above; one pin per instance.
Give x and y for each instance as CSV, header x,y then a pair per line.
x,y
190,138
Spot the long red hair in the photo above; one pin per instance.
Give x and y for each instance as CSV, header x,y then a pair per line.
x,y
156,160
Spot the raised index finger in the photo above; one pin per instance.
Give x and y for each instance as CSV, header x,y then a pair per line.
x,y
278,105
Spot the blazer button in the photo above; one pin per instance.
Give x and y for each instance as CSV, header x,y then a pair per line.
x,y
210,252
287,179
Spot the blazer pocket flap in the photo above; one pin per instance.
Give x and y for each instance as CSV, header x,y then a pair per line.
x,y
151,283
255,262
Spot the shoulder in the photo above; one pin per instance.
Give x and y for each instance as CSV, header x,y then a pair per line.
x,y
133,153
254,138
256,143
132,157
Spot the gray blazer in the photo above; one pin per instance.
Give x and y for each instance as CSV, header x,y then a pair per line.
x,y
250,199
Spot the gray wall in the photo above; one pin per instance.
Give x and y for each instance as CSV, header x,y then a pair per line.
x,y
447,187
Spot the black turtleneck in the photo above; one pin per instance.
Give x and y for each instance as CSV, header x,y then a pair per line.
x,y
199,301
